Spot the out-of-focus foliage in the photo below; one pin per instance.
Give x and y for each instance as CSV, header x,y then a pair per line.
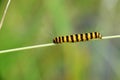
x,y
30,22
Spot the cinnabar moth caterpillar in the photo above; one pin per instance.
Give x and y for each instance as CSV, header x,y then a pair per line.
x,y
77,37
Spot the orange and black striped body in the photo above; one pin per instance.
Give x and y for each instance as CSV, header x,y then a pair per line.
x,y
77,37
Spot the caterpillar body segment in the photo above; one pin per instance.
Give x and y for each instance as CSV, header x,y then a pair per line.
x,y
77,37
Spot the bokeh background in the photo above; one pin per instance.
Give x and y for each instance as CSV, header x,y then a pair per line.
x,y
31,22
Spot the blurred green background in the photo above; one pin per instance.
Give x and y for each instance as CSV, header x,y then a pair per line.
x,y
30,22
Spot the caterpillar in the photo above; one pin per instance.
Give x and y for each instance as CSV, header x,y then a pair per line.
x,y
77,37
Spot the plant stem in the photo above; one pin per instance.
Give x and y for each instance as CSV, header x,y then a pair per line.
x,y
4,14
110,37
26,48
45,45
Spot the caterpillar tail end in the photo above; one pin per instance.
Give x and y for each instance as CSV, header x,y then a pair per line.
x,y
54,41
